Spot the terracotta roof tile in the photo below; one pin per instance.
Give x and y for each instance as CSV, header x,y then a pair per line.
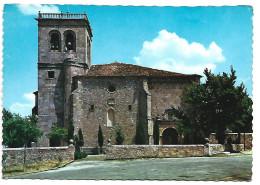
x,y
122,69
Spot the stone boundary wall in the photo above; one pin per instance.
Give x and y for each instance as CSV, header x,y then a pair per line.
x,y
153,151
15,156
234,137
92,150
213,149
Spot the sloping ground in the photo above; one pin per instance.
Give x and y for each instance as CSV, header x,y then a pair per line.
x,y
194,168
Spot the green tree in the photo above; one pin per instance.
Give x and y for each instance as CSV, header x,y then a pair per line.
x,y
70,134
18,131
215,106
6,115
156,133
120,137
13,132
100,138
30,133
139,138
33,119
56,135
76,143
81,140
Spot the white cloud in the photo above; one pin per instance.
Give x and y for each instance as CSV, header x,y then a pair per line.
x,y
170,52
32,9
30,97
24,109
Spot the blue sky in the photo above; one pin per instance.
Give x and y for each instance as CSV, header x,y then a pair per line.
x,y
180,39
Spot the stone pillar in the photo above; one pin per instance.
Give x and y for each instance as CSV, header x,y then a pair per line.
x,y
149,113
71,150
160,140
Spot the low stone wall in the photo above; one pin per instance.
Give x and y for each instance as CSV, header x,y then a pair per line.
x,y
234,136
153,151
15,156
92,150
212,149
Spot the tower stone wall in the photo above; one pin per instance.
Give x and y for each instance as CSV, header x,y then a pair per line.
x,y
58,63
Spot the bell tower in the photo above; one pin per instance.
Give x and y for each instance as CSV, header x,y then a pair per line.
x,y
64,51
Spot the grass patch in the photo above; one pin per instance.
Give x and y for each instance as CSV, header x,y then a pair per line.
x,y
247,152
32,167
242,177
93,158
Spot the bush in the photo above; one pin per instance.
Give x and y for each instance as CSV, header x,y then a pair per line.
x,y
100,137
56,135
70,131
139,138
81,140
119,137
155,133
80,155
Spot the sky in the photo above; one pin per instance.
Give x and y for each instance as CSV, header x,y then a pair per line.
x,y
180,39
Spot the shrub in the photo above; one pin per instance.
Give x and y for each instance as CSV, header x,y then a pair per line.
x,y
119,137
229,141
155,133
80,155
100,137
70,134
139,138
81,140
56,135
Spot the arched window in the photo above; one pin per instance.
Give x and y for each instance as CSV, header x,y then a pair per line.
x,y
110,117
55,40
111,88
70,41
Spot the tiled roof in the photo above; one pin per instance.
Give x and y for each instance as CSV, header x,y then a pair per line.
x,y
122,69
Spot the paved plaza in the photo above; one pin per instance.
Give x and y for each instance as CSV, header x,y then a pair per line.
x,y
194,168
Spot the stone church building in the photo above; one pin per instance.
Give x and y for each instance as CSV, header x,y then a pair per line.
x,y
114,95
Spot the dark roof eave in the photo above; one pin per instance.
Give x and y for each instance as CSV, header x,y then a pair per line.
x,y
139,76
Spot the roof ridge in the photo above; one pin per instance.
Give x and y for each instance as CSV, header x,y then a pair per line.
x,y
144,67
124,69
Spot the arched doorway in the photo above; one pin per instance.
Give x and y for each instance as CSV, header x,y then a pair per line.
x,y
169,136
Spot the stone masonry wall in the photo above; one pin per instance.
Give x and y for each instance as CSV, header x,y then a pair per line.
x,y
153,151
94,91
15,156
45,55
165,93
53,93
234,136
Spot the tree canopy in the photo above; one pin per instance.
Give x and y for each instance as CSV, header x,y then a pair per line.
x,y
214,106
18,131
56,135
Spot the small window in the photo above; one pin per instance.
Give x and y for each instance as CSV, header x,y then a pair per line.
x,y
50,74
129,107
111,88
91,108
